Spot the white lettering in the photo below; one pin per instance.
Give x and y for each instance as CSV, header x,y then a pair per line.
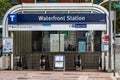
x,y
75,18
61,18
51,18
12,17
40,18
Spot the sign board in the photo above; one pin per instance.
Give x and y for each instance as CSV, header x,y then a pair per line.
x,y
59,62
105,47
106,38
8,45
58,18
59,27
112,15
116,5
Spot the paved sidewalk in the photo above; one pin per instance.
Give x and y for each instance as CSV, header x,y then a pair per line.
x,y
55,75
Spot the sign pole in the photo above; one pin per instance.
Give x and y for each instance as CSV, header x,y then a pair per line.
x,y
11,56
113,18
114,42
109,69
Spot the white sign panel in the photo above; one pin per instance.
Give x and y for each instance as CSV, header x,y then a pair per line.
x,y
41,27
8,45
59,58
59,62
105,47
54,42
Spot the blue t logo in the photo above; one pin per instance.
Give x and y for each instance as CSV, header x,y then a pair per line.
x,y
12,18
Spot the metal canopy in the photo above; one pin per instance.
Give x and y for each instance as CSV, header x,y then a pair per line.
x,y
49,7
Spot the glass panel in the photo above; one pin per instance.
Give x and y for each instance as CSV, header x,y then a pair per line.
x,y
82,41
37,41
51,41
46,42
40,0
97,41
62,41
70,40
13,0
52,0
82,46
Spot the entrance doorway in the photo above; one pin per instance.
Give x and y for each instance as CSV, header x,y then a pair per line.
x,y
32,46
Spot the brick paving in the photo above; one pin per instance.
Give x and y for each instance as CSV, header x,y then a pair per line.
x,y
55,75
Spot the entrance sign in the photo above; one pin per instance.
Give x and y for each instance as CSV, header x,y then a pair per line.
x,y
8,45
35,22
59,62
30,18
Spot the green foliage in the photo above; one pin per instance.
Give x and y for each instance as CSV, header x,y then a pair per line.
x,y
4,6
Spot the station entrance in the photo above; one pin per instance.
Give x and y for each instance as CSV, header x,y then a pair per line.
x,y
58,38
37,49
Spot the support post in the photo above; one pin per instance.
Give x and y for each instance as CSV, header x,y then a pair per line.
x,y
109,69
114,43
11,55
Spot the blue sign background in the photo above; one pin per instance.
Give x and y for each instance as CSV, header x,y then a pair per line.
x,y
12,18
29,18
79,25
